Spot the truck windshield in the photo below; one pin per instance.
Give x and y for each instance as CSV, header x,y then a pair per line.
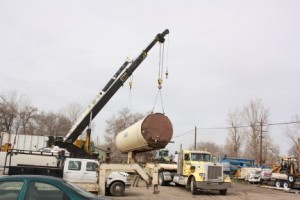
x,y
200,157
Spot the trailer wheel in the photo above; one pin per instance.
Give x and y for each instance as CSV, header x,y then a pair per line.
x,y
223,192
286,185
117,189
161,180
193,186
278,183
291,179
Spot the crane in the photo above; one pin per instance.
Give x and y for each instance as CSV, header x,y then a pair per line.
x,y
112,86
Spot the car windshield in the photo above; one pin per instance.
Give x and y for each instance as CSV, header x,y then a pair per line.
x,y
200,157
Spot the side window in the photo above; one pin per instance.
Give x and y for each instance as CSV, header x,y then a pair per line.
x,y
74,165
10,190
91,166
187,157
44,191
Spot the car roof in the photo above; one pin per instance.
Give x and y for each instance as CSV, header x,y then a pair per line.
x,y
32,177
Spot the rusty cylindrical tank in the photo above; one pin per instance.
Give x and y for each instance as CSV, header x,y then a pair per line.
x,y
150,133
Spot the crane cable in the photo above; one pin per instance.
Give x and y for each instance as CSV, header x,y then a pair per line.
x,y
130,83
162,105
160,76
160,65
129,103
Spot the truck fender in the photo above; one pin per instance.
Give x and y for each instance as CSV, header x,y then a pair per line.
x,y
188,183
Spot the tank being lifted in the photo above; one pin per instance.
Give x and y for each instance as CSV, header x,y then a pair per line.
x,y
150,133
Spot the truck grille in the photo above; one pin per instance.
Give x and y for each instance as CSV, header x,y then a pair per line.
x,y
214,173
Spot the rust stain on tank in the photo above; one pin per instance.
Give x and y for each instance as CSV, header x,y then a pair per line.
x,y
157,130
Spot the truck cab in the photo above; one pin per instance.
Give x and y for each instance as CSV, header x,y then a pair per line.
x,y
80,170
84,172
196,172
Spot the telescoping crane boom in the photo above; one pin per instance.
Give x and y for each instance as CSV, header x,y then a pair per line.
x,y
109,90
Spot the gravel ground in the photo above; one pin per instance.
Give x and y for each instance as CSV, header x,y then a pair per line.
x,y
239,190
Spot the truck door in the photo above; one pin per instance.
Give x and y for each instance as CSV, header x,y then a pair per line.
x,y
73,170
90,173
186,164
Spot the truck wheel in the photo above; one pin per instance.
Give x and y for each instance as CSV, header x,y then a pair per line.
x,y
278,183
291,179
223,192
161,180
117,189
286,185
193,186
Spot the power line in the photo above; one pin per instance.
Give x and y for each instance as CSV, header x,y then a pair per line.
x,y
184,133
283,123
243,126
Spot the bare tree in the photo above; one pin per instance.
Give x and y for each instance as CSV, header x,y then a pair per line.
x,y
52,124
270,151
211,147
72,111
26,116
256,116
8,110
293,133
235,134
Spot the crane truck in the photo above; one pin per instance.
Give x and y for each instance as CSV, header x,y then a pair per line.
x,y
83,122
112,86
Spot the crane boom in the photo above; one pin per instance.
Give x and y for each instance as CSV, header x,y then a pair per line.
x,y
109,90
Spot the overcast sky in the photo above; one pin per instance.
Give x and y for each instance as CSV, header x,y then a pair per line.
x,y
221,54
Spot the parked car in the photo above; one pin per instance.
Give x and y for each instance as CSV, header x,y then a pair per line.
x,y
38,187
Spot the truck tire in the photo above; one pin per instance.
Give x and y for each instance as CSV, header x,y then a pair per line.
x,y
223,192
193,186
117,188
291,179
278,183
161,180
286,185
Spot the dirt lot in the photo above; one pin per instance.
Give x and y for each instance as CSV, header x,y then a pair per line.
x,y
239,190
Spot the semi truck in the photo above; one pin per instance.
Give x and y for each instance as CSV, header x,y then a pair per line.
x,y
196,172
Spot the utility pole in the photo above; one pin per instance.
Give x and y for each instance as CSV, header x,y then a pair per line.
x,y
261,142
298,151
260,150
195,140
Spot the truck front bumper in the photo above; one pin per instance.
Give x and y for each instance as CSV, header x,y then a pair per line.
x,y
213,185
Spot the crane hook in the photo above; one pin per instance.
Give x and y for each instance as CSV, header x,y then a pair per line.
x,y
167,74
159,83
